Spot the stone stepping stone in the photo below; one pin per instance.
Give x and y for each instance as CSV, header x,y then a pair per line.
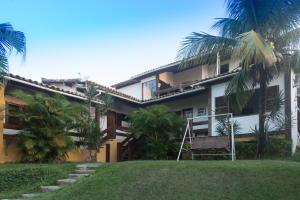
x,y
76,176
88,165
11,199
30,195
67,181
50,188
84,171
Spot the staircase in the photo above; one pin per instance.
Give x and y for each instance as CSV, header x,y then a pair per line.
x,y
83,170
127,148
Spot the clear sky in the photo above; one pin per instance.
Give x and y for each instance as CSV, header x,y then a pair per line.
x,y
106,41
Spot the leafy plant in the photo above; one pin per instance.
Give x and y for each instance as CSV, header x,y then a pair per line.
x,y
46,124
17,179
157,126
224,126
88,125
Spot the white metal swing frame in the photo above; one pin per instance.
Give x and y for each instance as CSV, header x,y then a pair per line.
x,y
188,130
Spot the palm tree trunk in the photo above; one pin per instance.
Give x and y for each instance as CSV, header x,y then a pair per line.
x,y
261,143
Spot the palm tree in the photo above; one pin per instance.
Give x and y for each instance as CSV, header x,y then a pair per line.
x,y
263,36
10,40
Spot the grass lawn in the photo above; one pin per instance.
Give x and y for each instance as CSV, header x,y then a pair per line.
x,y
168,180
16,179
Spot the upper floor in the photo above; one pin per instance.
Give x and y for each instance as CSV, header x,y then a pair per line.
x,y
170,78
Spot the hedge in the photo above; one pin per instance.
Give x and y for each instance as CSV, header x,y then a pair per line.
x,y
16,179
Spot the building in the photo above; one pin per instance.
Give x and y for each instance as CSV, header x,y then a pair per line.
x,y
197,91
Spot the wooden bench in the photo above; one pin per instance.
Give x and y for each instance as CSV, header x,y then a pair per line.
x,y
211,142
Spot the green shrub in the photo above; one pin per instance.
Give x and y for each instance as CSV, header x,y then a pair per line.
x,y
296,156
20,178
245,150
156,127
277,147
47,122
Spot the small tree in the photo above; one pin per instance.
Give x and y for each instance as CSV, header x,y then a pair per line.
x,y
88,120
46,123
156,126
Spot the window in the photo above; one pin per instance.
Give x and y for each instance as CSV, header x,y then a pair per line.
x,y
223,106
187,113
224,68
272,93
12,120
149,89
201,111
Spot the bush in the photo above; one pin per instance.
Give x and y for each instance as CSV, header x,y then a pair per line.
x,y
19,178
46,127
275,148
245,150
156,127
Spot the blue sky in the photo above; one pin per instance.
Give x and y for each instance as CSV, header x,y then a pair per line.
x,y
105,41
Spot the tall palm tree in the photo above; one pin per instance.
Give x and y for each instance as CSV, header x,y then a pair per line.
x,y
10,40
263,36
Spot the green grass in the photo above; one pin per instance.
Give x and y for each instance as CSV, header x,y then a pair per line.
x,y
168,180
16,179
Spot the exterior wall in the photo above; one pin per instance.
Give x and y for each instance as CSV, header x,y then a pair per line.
x,y
101,156
134,90
167,77
77,155
246,122
11,152
188,75
194,102
294,115
208,71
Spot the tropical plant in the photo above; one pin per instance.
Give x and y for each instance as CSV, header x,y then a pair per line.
x,y
263,36
157,126
224,126
88,124
9,40
46,122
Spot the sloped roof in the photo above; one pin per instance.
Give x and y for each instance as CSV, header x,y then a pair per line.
x,y
136,78
194,87
67,92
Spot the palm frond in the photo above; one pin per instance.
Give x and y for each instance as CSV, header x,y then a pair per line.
x,y
202,48
230,27
253,49
265,16
239,89
3,65
288,40
12,39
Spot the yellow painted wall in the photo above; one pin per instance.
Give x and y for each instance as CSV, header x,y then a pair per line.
x,y
101,156
77,155
11,151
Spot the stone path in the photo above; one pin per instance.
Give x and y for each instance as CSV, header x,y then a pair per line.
x,y
83,170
